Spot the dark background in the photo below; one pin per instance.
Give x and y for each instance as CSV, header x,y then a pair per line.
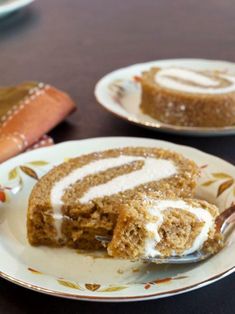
x,y
73,43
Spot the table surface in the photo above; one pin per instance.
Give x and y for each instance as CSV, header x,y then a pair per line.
x,y
71,44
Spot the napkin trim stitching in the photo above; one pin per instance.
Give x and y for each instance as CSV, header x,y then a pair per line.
x,y
33,93
43,141
19,144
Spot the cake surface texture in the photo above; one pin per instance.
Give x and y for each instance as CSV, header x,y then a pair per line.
x,y
82,197
185,97
163,227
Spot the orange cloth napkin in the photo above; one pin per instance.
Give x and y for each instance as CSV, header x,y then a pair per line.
x,y
27,112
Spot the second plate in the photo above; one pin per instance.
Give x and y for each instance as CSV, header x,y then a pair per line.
x,y
119,92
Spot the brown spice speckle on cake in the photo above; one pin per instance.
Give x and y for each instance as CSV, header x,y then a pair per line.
x,y
206,107
73,214
155,226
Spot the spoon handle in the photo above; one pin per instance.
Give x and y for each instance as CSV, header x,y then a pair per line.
x,y
225,218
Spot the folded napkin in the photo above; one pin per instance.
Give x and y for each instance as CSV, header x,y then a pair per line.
x,y
27,112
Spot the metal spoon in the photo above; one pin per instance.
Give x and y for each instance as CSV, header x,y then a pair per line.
x,y
222,224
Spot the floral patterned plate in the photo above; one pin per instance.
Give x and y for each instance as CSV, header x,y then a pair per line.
x,y
80,275
119,92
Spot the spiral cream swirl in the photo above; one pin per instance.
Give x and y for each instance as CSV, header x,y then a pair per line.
x,y
200,82
153,170
156,210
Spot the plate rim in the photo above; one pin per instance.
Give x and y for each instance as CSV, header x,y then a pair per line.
x,y
158,125
153,296
77,296
13,5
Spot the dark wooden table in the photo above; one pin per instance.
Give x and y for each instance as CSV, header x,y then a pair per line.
x,y
71,44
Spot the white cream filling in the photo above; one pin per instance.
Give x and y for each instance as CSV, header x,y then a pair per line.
x,y
208,85
152,170
156,211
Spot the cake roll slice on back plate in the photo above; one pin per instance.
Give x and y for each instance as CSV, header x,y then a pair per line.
x,y
187,97
163,227
82,197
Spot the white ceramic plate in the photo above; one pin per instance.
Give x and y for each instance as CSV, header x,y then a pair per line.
x,y
9,6
119,92
67,273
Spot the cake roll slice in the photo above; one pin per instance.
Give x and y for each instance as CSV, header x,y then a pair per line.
x,y
160,227
81,198
186,97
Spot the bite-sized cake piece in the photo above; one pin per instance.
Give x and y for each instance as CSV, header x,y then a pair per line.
x,y
185,97
150,227
81,198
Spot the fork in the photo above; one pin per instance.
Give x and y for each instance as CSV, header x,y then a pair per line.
x,y
222,223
